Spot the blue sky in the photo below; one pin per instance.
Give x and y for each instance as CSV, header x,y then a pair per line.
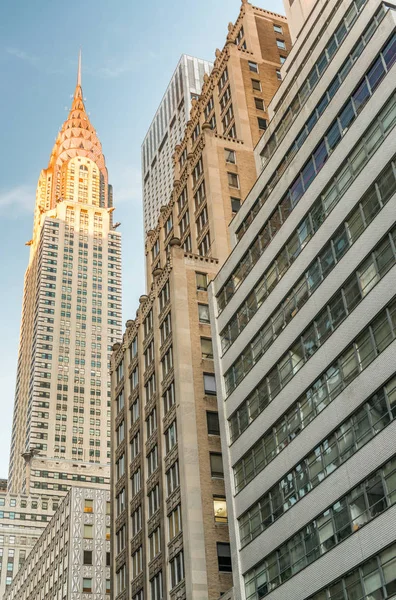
x,y
129,49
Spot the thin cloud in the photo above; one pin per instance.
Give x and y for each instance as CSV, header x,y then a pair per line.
x,y
111,71
22,55
16,201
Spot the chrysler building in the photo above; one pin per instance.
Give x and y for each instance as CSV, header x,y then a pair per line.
x,y
71,316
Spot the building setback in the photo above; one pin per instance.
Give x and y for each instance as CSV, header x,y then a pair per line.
x,y
72,556
303,318
71,313
169,510
165,132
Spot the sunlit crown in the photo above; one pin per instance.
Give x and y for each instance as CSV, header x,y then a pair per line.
x,y
76,138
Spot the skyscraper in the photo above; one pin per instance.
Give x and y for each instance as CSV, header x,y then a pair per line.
x,y
169,508
71,316
305,322
165,132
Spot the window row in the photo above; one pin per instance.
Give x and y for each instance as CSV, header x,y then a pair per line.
x,y
353,291
368,420
375,579
315,115
357,356
363,503
308,173
357,221
316,72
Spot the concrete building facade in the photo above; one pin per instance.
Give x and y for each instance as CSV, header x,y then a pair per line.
x,y
71,558
169,510
303,323
22,521
71,311
165,132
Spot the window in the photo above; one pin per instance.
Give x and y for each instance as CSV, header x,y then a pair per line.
x,y
278,29
150,388
136,521
163,296
120,467
223,79
206,348
137,562
152,461
174,522
107,586
151,422
87,585
259,103
235,205
155,543
256,85
135,445
233,180
210,384
88,532
281,44
153,500
230,156
120,502
224,557
135,411
212,419
220,509
181,201
228,117
167,363
204,246
176,569
172,478
253,67
169,398
203,313
120,401
202,219
278,74
197,172
169,225
170,437
262,123
155,250
202,281
184,222
88,505
156,587
216,465
282,59
87,557
135,378
226,97
120,436
121,580
135,479
187,247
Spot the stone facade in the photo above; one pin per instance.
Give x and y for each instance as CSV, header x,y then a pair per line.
x,y
168,504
